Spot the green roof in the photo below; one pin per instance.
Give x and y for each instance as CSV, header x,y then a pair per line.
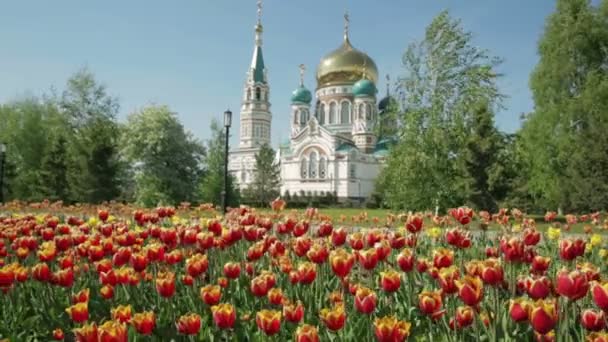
x,y
346,147
258,65
301,95
364,87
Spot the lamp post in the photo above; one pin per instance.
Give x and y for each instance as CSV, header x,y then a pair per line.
x,y
227,124
2,156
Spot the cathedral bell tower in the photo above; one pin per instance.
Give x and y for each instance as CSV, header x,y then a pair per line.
x,y
255,109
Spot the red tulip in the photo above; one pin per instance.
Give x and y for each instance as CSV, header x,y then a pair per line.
x,y
513,249
463,215
569,249
341,262
232,270
414,224
211,294
317,253
573,285
259,286
355,240
58,334
538,287
325,229
492,272
197,265
78,312
224,315
368,258
293,312
519,309
112,331
107,292
86,333
540,264
443,257
365,300
470,290
390,329
144,322
334,318
306,333
597,337
275,296
430,303
165,284
338,236
600,295
122,313
531,237
447,278
390,281
464,316
593,320
543,316
189,324
269,321
406,260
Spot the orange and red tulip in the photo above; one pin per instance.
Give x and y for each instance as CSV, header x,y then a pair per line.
x,y
341,262
112,331
390,329
144,322
543,316
78,312
121,313
470,290
600,295
189,324
573,285
211,294
293,312
334,318
519,309
365,300
306,333
224,315
269,321
390,281
593,320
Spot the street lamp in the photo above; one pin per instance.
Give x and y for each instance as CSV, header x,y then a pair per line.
x,y
227,124
2,156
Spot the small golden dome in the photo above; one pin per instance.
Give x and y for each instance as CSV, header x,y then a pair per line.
x,y
345,65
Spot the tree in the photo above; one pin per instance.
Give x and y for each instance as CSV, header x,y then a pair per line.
x,y
212,183
266,177
166,159
446,77
563,135
95,168
479,157
54,168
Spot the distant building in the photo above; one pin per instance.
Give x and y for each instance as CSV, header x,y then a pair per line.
x,y
333,147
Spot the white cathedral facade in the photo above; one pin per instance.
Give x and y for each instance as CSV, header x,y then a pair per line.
x,y
333,146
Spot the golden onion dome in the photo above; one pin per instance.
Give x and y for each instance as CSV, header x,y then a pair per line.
x,y
345,65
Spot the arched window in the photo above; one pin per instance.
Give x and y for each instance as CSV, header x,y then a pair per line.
x,y
322,167
258,93
249,94
303,168
332,113
353,171
368,112
361,114
317,110
345,112
303,116
296,116
312,165
322,114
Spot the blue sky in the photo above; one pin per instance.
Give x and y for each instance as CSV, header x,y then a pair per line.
x,y
193,54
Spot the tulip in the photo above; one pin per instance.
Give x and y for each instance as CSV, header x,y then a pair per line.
x,y
463,215
397,240
390,281
543,316
464,316
78,312
355,240
211,294
531,237
224,315
306,333
519,309
81,297
540,264
365,300
414,224
368,258
390,329
447,278
112,331
259,286
189,324
307,272
269,321
334,318
107,291
492,272
458,238
317,253
232,270
597,337
383,250
600,295
341,262
570,249
144,322
406,260
325,229
293,312
275,296
197,265
573,285
338,236
443,257
591,271
593,320
58,334
86,333
278,204
41,272
538,288
165,284
513,249
548,337
470,290
122,313
430,303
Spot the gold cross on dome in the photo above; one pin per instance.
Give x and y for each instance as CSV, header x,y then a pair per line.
x,y
259,11
346,23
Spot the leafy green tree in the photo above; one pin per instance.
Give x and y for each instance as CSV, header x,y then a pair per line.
x,y
212,183
479,156
54,168
447,75
562,137
266,177
95,168
166,159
